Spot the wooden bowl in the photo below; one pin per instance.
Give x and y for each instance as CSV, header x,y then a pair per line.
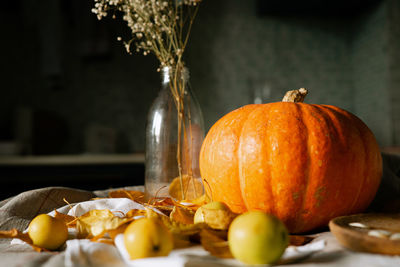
x,y
360,239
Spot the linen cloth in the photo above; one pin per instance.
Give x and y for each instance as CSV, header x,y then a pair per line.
x,y
18,211
85,253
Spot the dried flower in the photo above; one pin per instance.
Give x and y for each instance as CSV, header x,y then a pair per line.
x,y
161,27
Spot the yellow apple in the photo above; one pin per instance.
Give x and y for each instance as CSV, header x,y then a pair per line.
x,y
147,237
47,232
256,237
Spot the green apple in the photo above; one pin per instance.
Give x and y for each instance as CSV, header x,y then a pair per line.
x,y
257,237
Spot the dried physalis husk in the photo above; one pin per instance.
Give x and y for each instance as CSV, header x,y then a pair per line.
x,y
216,215
182,214
186,188
137,196
200,201
215,242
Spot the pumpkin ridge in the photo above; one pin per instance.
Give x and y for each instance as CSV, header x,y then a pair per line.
x,y
368,157
300,108
349,121
363,133
361,137
273,208
214,178
339,142
319,156
242,121
365,160
265,110
289,156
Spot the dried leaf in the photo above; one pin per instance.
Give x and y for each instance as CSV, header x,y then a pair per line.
x,y
216,243
137,196
114,232
162,202
182,214
132,214
150,213
182,241
186,188
96,223
200,201
14,233
69,220
85,222
299,240
182,229
165,204
135,212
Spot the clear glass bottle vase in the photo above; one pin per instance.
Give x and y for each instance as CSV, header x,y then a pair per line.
x,y
174,134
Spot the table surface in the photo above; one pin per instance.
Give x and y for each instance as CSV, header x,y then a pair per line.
x,y
82,159
18,211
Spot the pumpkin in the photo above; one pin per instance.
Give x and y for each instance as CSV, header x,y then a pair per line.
x,y
304,163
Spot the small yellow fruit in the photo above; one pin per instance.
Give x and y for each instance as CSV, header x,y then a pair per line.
x,y
215,214
147,237
48,232
215,205
256,237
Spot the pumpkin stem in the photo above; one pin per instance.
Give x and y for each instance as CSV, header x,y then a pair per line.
x,y
295,95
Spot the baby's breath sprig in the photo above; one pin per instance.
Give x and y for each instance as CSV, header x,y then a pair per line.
x,y
161,27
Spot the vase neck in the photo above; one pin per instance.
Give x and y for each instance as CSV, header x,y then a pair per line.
x,y
169,73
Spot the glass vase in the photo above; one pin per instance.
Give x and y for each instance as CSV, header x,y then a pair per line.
x,y
174,134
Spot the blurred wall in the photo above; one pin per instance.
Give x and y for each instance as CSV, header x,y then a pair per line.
x,y
349,61
245,51
371,55
393,14
70,65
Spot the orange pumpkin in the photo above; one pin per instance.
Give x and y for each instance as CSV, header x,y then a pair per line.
x,y
304,163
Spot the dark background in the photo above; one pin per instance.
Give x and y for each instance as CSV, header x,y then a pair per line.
x,y
68,87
